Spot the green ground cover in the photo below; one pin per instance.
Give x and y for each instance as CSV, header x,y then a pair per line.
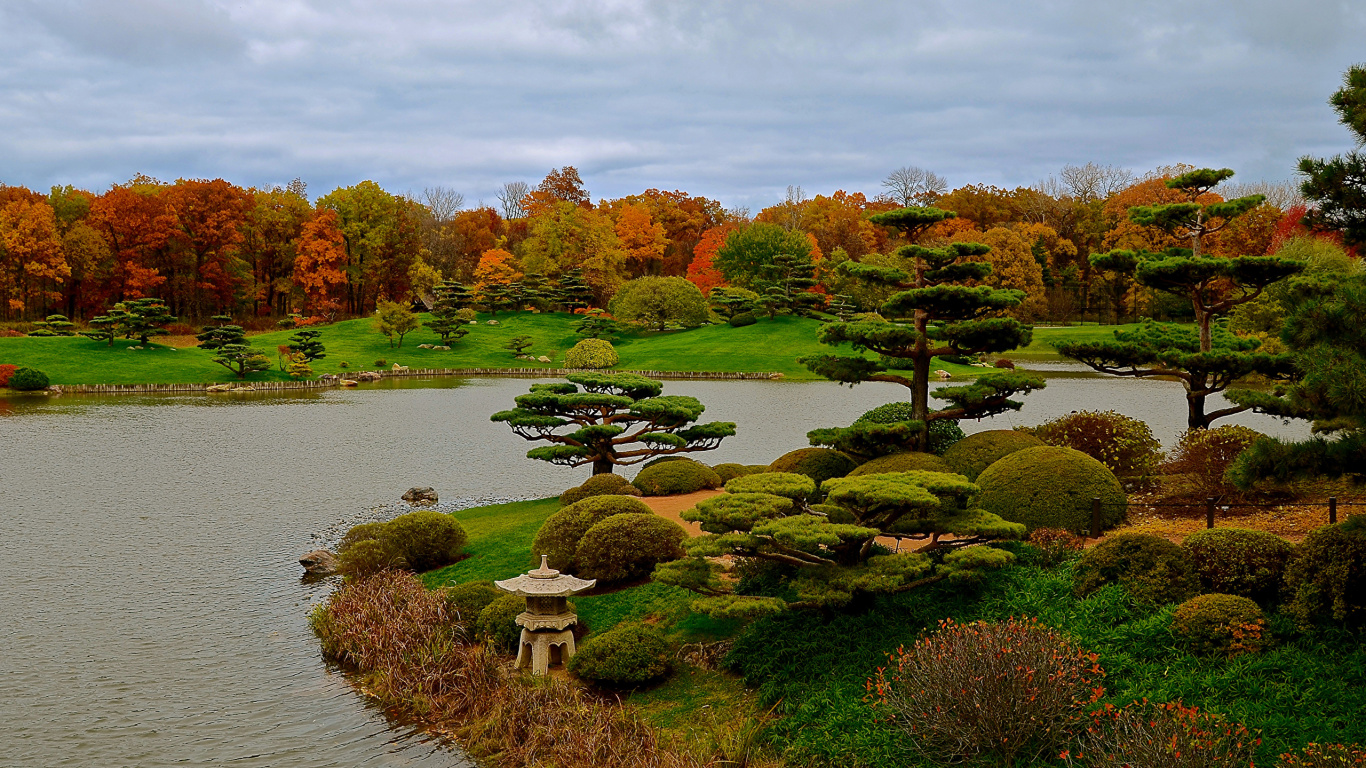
x,y
1045,336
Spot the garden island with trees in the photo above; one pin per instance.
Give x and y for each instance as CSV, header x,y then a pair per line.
x,y
895,592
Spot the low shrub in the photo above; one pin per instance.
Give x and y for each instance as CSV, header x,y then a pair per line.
x,y
6,371
343,364
1325,756
1234,561
468,600
497,623
1327,576
628,547
662,459
1225,625
418,541
602,484
28,380
1126,445
1204,456
368,557
728,472
558,537
974,453
909,461
1169,735
592,354
1151,569
673,477
1004,362
1049,487
466,315
1055,545
381,362
1010,690
959,359
741,319
940,434
626,656
819,464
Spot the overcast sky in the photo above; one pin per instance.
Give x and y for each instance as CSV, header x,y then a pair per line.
x,y
730,99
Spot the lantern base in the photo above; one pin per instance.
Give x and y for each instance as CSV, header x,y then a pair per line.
x,y
541,648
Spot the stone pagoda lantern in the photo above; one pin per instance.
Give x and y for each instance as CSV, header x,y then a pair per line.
x,y
546,635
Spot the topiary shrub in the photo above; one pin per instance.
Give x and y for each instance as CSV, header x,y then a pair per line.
x,y
627,655
366,557
1049,487
426,539
1151,569
940,434
1126,445
1224,625
662,459
28,380
1204,455
819,464
558,537
628,547
592,354
974,453
728,472
1327,576
604,484
673,477
468,600
909,461
497,623
1234,561
466,315
741,319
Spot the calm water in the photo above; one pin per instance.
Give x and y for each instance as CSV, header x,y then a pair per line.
x,y
152,611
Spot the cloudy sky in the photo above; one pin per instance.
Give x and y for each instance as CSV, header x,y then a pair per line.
x,y
730,99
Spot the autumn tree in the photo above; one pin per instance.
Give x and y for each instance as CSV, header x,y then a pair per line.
x,y
381,237
320,263
561,185
684,218
32,264
495,273
1013,266
567,236
510,196
659,302
271,232
607,420
135,224
748,252
208,216
395,320
1337,185
643,240
702,271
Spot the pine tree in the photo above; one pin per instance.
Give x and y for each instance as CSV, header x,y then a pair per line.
x,y
306,344
518,345
144,318
1337,186
451,297
595,326
573,292
786,281
54,325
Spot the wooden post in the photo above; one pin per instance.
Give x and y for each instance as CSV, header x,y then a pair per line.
x,y
1332,509
1209,512
1095,517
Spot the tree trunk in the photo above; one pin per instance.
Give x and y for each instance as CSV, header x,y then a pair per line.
x,y
1203,319
920,379
602,466
1195,412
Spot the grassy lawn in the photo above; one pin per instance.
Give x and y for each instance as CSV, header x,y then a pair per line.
x,y
1046,336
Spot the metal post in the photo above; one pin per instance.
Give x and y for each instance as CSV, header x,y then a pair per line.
x,y
1095,517
1209,512
1332,509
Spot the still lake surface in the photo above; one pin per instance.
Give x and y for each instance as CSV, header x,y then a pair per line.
x,y
152,612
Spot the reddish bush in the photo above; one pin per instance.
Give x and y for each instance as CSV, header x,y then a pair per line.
x,y
1004,362
7,371
10,333
304,322
1169,735
1325,756
1056,544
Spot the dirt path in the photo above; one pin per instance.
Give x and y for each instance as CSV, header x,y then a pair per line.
x,y
672,506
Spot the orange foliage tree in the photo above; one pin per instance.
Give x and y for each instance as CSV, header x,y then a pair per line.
x,y
702,272
32,264
320,263
643,240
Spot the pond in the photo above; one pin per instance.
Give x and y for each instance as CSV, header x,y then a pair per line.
x,y
154,612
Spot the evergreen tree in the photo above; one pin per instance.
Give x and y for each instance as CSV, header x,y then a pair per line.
x,y
1208,359
496,296
451,297
241,358
518,345
944,317
305,344
786,282
573,292
595,326
1337,186
216,336
54,325
105,327
535,292
608,420
729,301
144,318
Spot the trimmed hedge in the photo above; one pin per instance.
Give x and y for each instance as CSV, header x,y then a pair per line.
x,y
728,472
910,461
1050,487
470,599
674,477
604,484
819,464
1124,444
1151,569
741,319
28,380
662,459
627,655
558,538
628,547
418,541
1327,576
1234,561
497,623
942,433
591,353
974,453
1226,625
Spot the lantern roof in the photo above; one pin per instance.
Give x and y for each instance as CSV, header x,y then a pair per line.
x,y
544,582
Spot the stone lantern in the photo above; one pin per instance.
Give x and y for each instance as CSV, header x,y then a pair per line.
x,y
546,635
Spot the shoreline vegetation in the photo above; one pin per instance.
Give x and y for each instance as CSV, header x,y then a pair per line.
x,y
767,347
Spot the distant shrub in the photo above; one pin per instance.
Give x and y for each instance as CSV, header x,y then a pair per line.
x,y
591,353
627,655
558,538
674,477
380,363
497,623
1154,735
602,484
1151,569
1002,362
940,434
1048,487
909,461
343,364
1204,455
6,371
959,359
1233,561
470,599
974,453
466,315
418,541
1126,445
28,380
728,472
1055,545
1010,690
1327,576
741,319
627,547
819,464
1224,625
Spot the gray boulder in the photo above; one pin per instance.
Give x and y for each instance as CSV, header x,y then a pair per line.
x,y
420,497
319,562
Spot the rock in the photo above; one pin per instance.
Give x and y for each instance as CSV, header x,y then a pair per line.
x,y
218,388
348,383
55,389
543,359
369,376
474,322
243,388
398,367
319,562
329,378
494,322
443,348
943,374
420,497
424,346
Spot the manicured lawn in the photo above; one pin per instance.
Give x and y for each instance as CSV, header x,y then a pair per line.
x,y
1046,336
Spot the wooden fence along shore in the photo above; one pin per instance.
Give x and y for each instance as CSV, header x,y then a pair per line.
x,y
271,386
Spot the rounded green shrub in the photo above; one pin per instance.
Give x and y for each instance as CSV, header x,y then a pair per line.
x,y
1226,625
819,464
1151,569
1327,576
471,598
366,557
741,319
628,547
673,477
591,353
603,484
1124,444
427,539
1234,561
662,459
1050,487
627,655
974,453
466,315
728,472
497,623
559,535
28,380
941,433
909,461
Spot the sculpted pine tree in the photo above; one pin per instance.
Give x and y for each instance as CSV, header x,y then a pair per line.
x,y
451,297
305,344
1206,359
610,419
829,547
1337,186
944,317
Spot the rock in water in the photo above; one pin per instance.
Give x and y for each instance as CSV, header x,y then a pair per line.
x,y
319,562
420,497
